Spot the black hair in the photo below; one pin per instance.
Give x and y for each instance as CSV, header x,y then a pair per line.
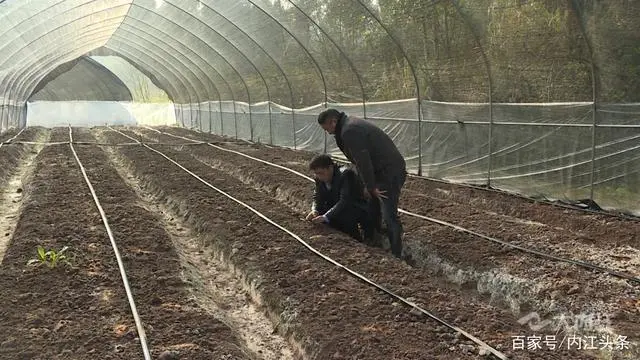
x,y
321,161
329,114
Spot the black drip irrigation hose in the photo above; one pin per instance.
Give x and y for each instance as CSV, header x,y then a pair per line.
x,y
90,143
589,206
531,251
353,273
580,263
10,141
138,322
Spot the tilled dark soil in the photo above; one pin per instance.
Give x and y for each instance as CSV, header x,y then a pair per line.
x,y
65,312
8,135
12,154
321,297
81,312
601,239
568,288
473,205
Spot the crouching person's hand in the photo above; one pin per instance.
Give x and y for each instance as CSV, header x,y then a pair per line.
x,y
320,219
312,215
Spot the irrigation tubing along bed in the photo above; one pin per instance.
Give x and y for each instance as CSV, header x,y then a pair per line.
x,y
620,215
10,142
325,257
134,311
13,138
436,221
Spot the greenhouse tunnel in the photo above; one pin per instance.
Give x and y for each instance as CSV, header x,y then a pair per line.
x,y
537,97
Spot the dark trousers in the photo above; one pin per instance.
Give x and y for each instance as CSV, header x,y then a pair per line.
x,y
389,210
349,220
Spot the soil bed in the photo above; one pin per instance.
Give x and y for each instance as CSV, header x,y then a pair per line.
x,y
546,286
81,312
322,297
62,312
173,320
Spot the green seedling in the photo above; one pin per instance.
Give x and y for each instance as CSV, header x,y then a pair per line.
x,y
50,258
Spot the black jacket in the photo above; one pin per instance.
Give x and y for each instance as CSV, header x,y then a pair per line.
x,y
371,149
345,197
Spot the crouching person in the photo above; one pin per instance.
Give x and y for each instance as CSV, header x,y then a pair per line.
x,y
338,198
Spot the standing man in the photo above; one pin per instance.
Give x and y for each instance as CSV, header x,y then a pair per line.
x,y
338,198
379,163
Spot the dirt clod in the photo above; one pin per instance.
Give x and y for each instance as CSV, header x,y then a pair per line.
x,y
169,355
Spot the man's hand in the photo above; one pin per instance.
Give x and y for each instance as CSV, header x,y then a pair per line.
x,y
379,193
319,219
375,192
312,215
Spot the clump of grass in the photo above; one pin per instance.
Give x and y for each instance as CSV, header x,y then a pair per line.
x,y
51,258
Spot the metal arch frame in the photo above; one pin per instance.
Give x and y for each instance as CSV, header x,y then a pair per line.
x,y
187,80
490,80
57,59
204,61
342,52
238,50
43,10
17,76
189,50
33,72
114,32
169,83
101,10
53,67
174,73
147,45
44,34
4,98
415,79
159,50
28,79
272,59
97,64
212,49
11,113
241,53
170,56
131,57
313,59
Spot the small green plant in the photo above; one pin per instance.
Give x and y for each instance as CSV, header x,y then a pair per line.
x,y
51,258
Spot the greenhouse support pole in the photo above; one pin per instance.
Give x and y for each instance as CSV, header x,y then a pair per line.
x,y
489,79
235,117
2,115
413,73
270,124
594,91
221,117
250,123
293,120
210,116
199,115
594,127
326,100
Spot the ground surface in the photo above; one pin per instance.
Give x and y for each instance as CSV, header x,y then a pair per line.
x,y
212,280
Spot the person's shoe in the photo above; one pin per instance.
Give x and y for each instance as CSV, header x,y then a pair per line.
x,y
375,239
409,260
